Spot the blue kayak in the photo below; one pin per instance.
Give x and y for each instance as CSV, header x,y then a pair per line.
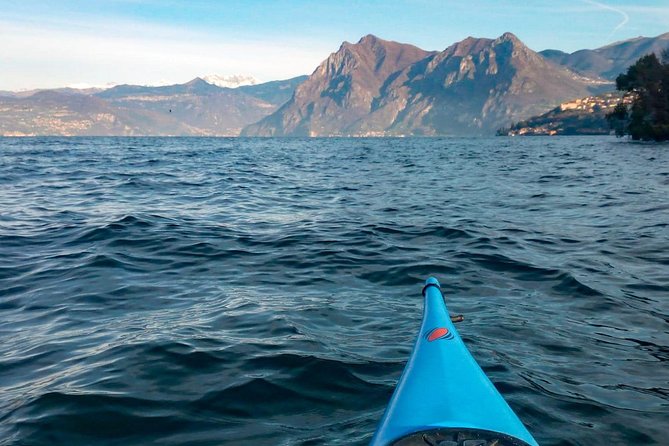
x,y
443,398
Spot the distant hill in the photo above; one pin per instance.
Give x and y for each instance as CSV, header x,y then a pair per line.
x,y
196,108
610,60
203,107
197,87
57,113
377,87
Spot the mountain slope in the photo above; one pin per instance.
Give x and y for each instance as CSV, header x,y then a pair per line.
x,y
610,60
376,87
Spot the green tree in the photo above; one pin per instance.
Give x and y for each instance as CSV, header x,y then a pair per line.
x,y
646,117
618,119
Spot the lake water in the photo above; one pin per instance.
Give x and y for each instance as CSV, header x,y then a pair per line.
x,y
267,291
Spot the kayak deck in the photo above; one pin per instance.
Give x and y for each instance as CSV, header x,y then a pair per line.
x,y
443,398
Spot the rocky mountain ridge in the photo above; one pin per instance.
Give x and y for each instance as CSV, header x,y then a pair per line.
x,y
382,88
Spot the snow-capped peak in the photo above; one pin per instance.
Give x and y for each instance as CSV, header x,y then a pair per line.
x,y
232,81
85,86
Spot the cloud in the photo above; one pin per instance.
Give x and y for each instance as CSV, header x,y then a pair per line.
x,y
604,7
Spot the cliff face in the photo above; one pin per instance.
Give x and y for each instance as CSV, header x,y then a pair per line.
x,y
377,87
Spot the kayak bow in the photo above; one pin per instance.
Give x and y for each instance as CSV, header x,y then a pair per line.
x,y
443,398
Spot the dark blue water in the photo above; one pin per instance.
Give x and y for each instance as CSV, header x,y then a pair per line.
x,y
267,292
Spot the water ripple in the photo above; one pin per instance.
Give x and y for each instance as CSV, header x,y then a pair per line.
x,y
267,291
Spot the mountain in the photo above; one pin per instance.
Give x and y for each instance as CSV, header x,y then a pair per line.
x,y
377,87
341,91
196,108
610,60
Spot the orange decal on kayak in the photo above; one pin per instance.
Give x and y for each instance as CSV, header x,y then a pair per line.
x,y
438,333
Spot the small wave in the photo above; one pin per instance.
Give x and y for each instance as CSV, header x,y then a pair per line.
x,y
569,285
501,263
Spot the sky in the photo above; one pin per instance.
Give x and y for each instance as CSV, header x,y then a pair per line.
x,y
56,43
